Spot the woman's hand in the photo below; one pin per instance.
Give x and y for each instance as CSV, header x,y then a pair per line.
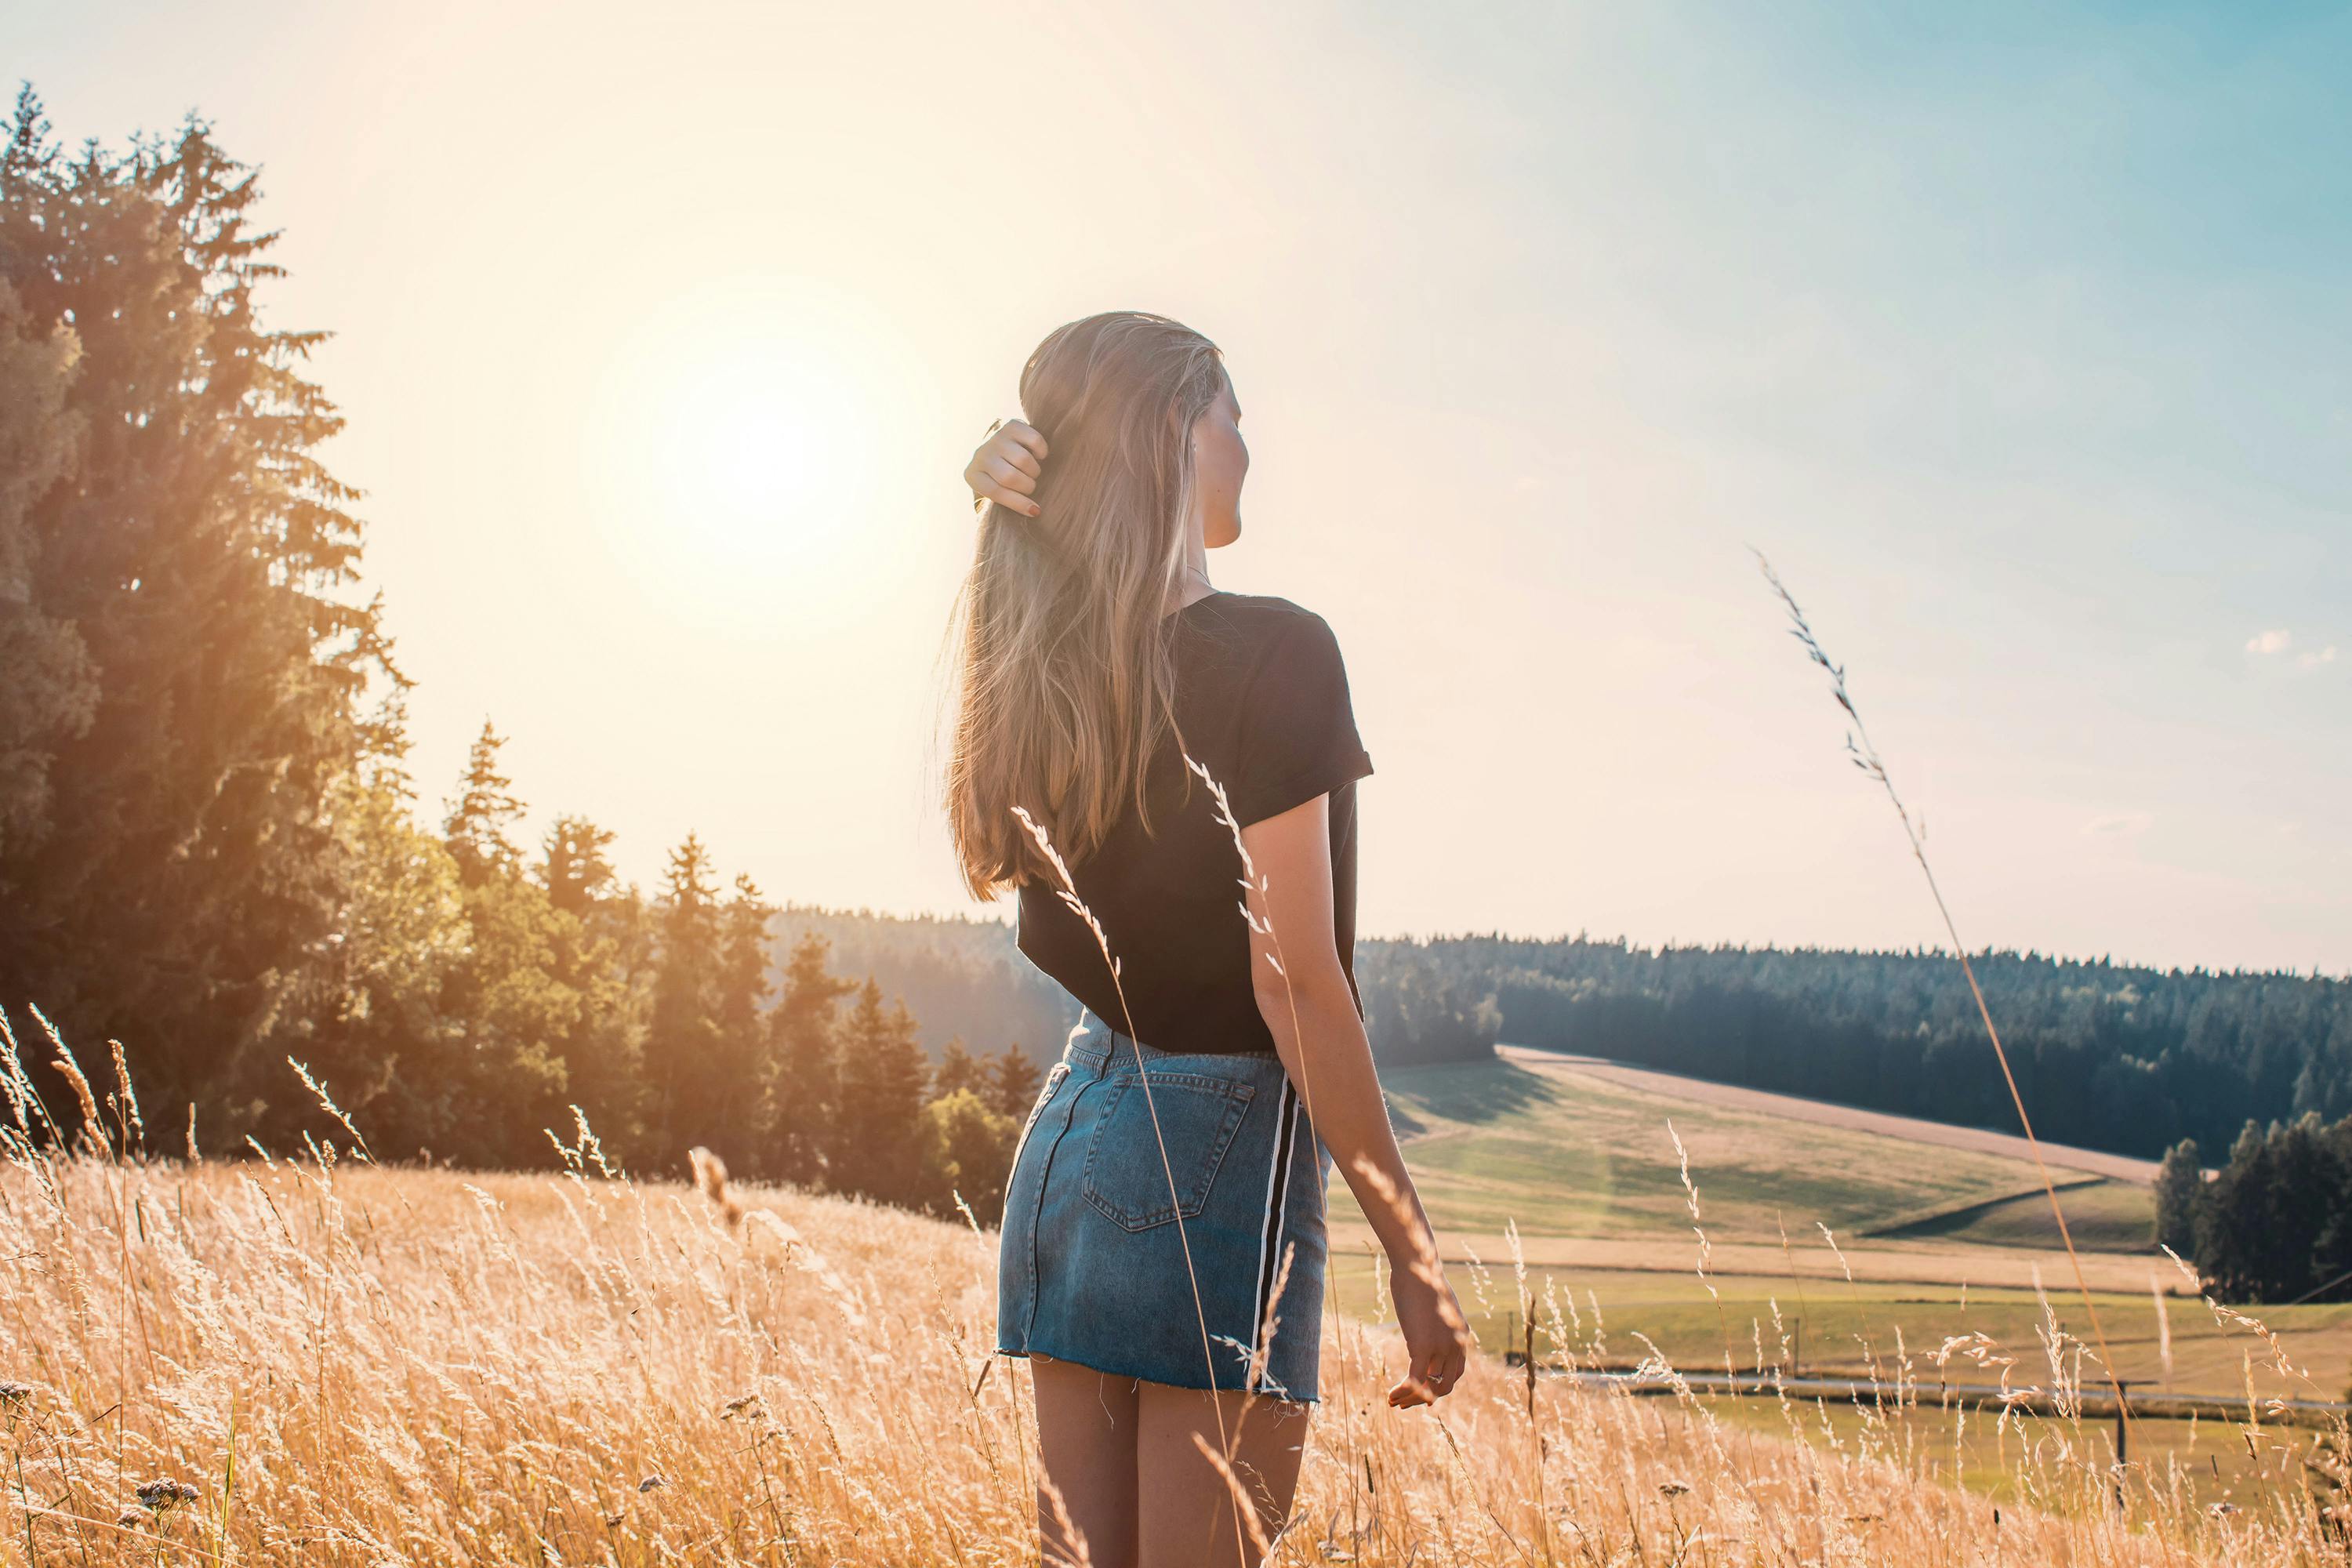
x,y
1436,1339
1004,467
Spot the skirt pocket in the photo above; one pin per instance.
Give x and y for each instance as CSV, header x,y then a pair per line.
x,y
1198,1116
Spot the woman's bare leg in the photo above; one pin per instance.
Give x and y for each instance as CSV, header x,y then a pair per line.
x,y
1087,1428
1184,1507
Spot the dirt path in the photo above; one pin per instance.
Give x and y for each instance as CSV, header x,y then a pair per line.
x,y
2062,1158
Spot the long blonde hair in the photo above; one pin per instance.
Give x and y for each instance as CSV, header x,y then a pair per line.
x,y
1065,680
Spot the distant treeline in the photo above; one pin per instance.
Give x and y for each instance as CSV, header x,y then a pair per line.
x,y
965,976
2108,1056
2275,1223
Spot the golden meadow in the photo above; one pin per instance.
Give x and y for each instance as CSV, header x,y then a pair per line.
x,y
302,1356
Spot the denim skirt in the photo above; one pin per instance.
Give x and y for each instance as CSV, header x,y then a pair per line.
x,y
1091,1264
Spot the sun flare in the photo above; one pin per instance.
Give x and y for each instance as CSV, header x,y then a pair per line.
x,y
733,442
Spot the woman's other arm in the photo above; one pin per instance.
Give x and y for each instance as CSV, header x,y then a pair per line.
x,y
1303,995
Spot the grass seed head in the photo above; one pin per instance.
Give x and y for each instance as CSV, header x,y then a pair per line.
x,y
163,1494
710,1180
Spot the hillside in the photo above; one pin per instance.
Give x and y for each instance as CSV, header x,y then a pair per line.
x,y
1568,1146
1933,1230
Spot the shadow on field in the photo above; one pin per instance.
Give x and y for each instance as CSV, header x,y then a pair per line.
x,y
1469,1091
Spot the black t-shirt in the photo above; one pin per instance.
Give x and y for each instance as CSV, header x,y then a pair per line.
x,y
1262,699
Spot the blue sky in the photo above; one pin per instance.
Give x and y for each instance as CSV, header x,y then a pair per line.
x,y
2015,336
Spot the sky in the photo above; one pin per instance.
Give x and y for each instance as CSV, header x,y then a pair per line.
x,y
2017,338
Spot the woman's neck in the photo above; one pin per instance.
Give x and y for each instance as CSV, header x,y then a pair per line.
x,y
1192,588
1193,583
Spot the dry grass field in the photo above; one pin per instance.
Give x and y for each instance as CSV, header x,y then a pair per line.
x,y
313,1360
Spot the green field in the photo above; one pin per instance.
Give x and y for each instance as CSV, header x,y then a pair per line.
x,y
1941,1241
1567,1152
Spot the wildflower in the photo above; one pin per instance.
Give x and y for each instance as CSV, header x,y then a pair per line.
x,y
129,1517
15,1395
1673,1489
2221,1510
650,1482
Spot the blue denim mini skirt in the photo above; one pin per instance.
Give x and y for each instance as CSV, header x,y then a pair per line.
x,y
1091,1264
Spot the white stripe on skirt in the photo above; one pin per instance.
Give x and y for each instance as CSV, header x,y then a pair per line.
x,y
1277,1183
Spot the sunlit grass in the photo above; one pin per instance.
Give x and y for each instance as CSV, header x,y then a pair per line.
x,y
335,1363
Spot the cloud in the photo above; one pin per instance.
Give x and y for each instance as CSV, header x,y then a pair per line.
x,y
2121,824
2271,642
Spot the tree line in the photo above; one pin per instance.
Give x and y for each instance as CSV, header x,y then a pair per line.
x,y
966,974
483,998
2110,1056
210,845
2275,1224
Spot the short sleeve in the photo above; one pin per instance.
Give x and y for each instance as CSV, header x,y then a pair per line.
x,y
1299,733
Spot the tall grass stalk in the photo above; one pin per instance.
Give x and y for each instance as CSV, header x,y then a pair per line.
x,y
1865,756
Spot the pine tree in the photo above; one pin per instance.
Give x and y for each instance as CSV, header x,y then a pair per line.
x,y
959,1069
573,867
877,1148
803,1088
175,887
51,689
682,1035
1014,1082
509,999
479,826
595,925
2179,1192
734,1113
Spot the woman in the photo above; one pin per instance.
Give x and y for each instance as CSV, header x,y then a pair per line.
x,y
1163,1255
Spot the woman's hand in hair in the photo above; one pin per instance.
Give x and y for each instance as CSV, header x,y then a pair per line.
x,y
1006,470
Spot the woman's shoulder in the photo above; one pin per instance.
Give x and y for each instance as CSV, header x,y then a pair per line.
x,y
1264,640
1268,618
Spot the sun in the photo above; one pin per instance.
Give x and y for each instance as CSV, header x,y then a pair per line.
x,y
744,449
732,442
